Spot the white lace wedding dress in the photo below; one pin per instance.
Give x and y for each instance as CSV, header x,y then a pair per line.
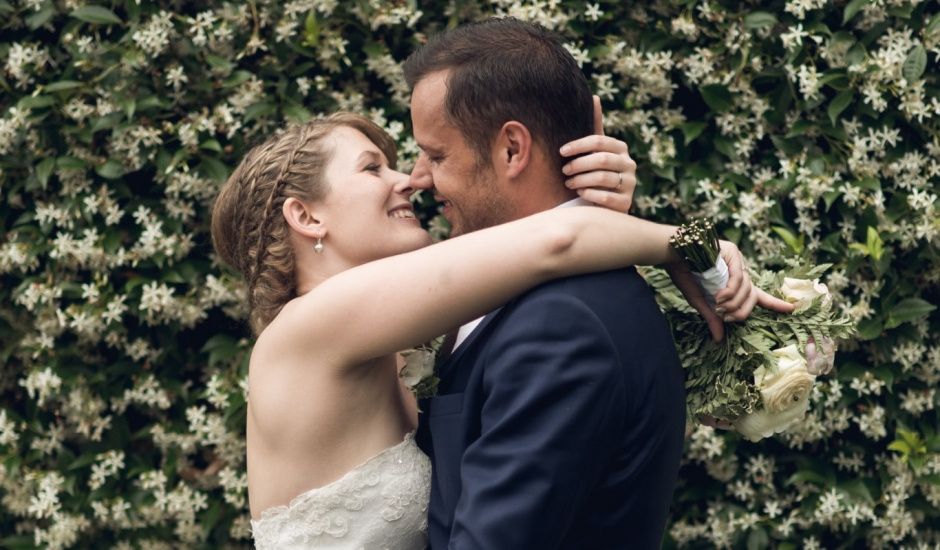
x,y
381,504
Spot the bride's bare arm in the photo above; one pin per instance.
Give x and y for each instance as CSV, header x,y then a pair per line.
x,y
400,301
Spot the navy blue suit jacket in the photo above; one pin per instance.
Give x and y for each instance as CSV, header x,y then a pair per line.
x,y
558,423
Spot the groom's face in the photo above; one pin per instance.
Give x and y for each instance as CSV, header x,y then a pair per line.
x,y
466,186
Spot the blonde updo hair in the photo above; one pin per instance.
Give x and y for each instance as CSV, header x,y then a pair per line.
x,y
249,231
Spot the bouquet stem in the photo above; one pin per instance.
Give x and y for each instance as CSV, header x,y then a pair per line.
x,y
697,243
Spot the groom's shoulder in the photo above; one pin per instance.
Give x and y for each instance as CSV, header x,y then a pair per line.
x,y
618,284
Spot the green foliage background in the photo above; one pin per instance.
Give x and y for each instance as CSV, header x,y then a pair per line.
x,y
805,129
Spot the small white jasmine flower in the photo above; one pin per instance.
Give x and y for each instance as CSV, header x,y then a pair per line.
x,y
593,12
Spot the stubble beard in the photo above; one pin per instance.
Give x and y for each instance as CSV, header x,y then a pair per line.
x,y
487,209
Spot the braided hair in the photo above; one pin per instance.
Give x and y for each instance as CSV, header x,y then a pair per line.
x,y
249,231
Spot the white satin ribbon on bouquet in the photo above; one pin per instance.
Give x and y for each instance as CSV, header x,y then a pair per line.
x,y
714,279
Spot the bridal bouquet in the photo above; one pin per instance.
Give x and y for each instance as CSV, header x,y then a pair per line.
x,y
759,378
418,373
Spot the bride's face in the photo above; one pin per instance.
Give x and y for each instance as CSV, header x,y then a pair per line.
x,y
367,212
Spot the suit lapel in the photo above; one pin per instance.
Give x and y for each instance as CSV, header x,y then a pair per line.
x,y
445,363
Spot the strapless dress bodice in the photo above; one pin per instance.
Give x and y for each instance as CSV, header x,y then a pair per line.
x,y
381,504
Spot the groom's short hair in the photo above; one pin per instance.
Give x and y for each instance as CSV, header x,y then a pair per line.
x,y
506,69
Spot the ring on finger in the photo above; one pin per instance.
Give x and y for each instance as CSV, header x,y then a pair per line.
x,y
619,180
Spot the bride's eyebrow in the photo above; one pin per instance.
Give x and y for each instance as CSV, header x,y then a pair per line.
x,y
369,156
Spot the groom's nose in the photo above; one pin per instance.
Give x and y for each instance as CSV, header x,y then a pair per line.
x,y
421,174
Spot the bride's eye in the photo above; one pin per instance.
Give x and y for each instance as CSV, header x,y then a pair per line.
x,y
373,167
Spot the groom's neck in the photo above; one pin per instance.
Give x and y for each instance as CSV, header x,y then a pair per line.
x,y
539,191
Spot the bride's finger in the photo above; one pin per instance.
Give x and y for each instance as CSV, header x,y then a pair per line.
x,y
620,182
597,161
592,144
598,116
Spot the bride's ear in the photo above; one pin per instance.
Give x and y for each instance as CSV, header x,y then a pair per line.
x,y
303,219
513,148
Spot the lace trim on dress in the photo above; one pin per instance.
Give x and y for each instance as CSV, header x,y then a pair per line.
x,y
307,495
380,503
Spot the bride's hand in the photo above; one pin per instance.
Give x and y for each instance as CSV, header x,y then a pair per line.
x,y
734,302
605,175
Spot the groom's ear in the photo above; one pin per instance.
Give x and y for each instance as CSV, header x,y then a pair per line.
x,y
513,148
303,218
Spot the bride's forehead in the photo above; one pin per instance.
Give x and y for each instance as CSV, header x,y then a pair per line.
x,y
348,144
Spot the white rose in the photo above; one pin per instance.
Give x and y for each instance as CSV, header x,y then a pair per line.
x,y
802,292
419,364
784,395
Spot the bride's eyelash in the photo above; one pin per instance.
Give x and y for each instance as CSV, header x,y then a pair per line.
x,y
373,167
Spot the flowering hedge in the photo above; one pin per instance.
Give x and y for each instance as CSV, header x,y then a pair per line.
x,y
805,129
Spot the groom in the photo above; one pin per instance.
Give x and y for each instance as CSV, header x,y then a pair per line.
x,y
559,418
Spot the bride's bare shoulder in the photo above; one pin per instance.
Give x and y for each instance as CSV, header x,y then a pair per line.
x,y
296,332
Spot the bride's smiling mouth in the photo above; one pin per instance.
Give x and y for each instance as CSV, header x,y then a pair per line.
x,y
402,212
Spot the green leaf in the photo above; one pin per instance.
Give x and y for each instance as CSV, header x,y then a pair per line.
x,y
311,30
759,19
692,130
211,145
219,63
220,347
111,169
96,14
172,276
296,112
260,109
799,128
851,9
933,479
70,163
84,460
36,101
18,542
915,64
236,78
856,54
902,11
899,446
63,85
933,26
717,97
869,329
213,168
758,539
857,490
807,476
910,309
130,106
838,104
795,243
872,184
41,17
874,243
44,170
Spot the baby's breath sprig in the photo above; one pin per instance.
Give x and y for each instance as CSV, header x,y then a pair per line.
x,y
697,242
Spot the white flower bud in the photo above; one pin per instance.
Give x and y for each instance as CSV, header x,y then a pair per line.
x,y
802,292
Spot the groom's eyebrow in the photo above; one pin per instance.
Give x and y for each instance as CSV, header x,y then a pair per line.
x,y
428,149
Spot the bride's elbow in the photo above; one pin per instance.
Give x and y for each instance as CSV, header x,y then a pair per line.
x,y
558,241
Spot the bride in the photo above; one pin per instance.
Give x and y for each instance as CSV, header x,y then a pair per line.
x,y
340,277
